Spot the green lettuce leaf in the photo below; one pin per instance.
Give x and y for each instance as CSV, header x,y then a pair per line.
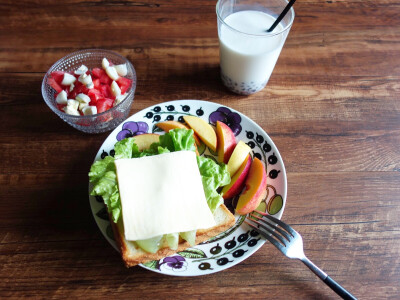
x,y
178,139
154,149
126,148
213,176
115,205
100,167
107,188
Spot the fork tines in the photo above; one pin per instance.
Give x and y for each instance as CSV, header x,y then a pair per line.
x,y
268,227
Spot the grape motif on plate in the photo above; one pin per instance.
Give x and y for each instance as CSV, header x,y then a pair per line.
x,y
130,129
225,115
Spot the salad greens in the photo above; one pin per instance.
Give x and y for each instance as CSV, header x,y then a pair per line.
x,y
213,176
103,173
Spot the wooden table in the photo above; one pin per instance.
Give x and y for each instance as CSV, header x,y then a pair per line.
x,y
332,107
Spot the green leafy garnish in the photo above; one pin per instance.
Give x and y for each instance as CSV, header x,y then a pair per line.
x,y
126,148
213,176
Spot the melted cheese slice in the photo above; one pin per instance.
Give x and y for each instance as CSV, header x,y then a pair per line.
x,y
162,194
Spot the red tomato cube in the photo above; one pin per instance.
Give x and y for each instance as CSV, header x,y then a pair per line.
x,y
60,107
58,76
104,104
104,79
94,96
124,84
80,88
106,91
52,82
97,72
96,83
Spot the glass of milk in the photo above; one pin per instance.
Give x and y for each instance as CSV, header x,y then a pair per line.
x,y
248,53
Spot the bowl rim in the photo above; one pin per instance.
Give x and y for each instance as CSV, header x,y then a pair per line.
x,y
131,93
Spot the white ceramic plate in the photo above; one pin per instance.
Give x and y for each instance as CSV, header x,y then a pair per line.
x,y
237,243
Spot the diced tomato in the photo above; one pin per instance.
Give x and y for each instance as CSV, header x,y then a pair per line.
x,y
106,91
72,95
97,72
66,89
100,95
124,84
96,83
104,79
94,96
104,104
79,88
58,76
52,82
60,107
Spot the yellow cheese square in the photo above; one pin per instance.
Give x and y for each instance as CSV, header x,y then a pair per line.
x,y
162,194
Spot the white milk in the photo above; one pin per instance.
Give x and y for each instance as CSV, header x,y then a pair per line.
x,y
246,60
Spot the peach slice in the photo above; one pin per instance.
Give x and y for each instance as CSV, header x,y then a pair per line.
x,y
169,125
255,191
238,156
226,142
237,181
204,131
145,140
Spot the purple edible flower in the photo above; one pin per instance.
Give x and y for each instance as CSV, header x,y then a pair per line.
x,y
130,129
225,115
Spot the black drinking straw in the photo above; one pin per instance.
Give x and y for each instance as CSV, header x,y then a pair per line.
x,y
282,15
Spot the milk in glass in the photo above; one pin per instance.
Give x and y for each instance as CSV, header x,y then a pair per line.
x,y
248,53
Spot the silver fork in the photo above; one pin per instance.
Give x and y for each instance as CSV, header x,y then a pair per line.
x,y
290,243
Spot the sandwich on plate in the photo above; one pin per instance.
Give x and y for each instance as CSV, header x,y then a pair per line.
x,y
161,199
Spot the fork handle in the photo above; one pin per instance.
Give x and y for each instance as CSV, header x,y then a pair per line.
x,y
337,288
342,292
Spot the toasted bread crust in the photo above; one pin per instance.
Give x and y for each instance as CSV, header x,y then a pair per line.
x,y
135,256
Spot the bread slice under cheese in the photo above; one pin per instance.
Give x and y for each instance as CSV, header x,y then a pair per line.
x,y
133,255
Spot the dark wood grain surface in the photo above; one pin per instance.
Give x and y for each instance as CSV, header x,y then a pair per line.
x,y
332,107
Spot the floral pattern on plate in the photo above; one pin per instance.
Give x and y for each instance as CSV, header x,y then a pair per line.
x,y
237,243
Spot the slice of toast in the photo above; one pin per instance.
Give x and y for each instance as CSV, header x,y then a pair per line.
x,y
133,255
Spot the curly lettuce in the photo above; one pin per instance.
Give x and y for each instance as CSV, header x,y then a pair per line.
x,y
213,176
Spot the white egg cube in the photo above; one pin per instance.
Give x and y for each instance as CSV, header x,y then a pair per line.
x,y
62,98
81,70
112,73
71,87
122,70
119,98
83,98
73,104
69,110
105,63
68,79
86,79
82,105
115,89
89,110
